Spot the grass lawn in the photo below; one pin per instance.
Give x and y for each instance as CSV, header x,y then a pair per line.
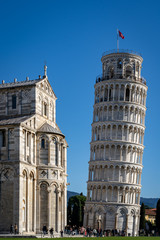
x,y
93,238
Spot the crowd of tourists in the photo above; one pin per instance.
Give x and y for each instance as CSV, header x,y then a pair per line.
x,y
86,232
50,231
89,232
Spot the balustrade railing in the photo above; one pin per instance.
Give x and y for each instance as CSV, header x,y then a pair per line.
x,y
101,78
121,51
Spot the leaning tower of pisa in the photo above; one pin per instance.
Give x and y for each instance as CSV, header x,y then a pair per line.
x,y
116,148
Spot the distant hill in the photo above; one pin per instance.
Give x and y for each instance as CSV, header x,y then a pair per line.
x,y
150,202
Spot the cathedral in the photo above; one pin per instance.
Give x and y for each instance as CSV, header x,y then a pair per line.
x,y
33,158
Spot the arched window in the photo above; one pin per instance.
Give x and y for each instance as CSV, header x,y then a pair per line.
x,y
45,109
111,72
2,138
96,115
110,94
136,198
55,151
137,67
119,64
14,101
127,94
97,98
94,154
28,138
134,67
43,143
128,71
105,93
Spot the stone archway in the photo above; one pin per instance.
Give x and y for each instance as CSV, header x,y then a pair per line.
x,y
110,219
100,218
121,225
43,205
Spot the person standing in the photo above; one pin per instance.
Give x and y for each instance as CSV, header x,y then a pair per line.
x,y
44,230
61,233
11,229
15,228
51,232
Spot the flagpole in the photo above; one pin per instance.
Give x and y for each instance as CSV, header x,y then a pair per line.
x,y
117,41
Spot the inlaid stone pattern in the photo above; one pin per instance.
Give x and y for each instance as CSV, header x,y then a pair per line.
x,y
116,148
33,158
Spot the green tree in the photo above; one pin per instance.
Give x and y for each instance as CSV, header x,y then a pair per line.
x,y
75,210
158,216
142,217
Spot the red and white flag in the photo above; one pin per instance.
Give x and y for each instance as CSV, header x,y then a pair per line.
x,y
121,35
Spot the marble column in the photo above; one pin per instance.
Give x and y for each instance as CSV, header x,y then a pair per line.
x,y
27,205
34,206
49,152
116,218
57,213
126,228
49,208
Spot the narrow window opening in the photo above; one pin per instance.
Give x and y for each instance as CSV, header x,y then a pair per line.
x,y
98,98
56,154
94,155
2,138
119,64
128,71
106,94
127,94
27,139
45,109
14,102
137,67
111,73
43,143
110,94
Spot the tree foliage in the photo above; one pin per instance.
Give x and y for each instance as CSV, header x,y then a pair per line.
x,y
75,210
158,215
142,217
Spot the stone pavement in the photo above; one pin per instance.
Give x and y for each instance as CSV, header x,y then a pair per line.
x,y
56,235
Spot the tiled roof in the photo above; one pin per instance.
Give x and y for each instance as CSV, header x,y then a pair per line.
x,y
15,120
49,129
19,84
150,212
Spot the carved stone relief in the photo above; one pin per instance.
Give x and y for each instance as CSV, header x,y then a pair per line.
x,y
7,174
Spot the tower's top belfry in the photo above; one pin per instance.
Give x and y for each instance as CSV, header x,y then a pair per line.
x,y
123,64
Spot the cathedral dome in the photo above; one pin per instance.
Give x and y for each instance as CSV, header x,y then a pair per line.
x,y
49,129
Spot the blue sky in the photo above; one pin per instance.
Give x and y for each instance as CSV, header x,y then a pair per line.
x,y
70,36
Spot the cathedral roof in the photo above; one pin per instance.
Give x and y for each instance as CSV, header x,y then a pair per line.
x,y
14,120
49,129
20,83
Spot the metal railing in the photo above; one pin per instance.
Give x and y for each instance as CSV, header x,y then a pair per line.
x,y
121,51
101,78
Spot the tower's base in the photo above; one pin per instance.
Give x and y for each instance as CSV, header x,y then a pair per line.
x,y
117,218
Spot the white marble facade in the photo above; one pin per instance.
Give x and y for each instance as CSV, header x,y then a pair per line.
x,y
116,148
33,158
